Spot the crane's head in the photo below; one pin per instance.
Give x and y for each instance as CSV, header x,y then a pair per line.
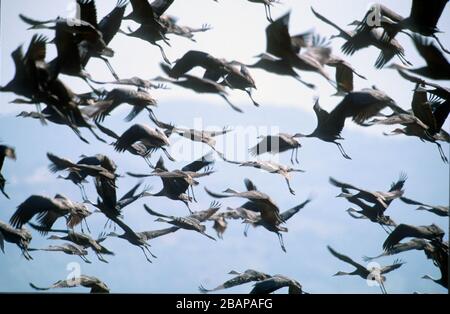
x,y
344,195
8,152
398,131
78,213
387,221
81,210
355,23
341,273
112,234
429,278
24,114
26,235
438,232
299,135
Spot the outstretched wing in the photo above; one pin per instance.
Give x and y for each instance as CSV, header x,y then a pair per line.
x,y
345,258
400,232
110,24
397,186
88,11
135,133
32,206
278,38
206,214
107,131
131,192
294,210
344,185
429,52
200,163
161,6
68,283
236,281
269,285
154,213
411,202
59,163
327,21
158,233
397,264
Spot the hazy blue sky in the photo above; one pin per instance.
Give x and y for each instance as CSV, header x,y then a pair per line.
x,y
186,260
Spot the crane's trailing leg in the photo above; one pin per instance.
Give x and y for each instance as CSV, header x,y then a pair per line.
x,y
441,152
77,132
108,64
231,104
101,259
167,154
149,163
249,93
309,85
27,255
95,135
187,205
83,192
163,54
247,226
289,186
85,259
440,44
280,238
383,289
95,90
341,149
268,13
384,228
193,195
148,250
86,223
145,254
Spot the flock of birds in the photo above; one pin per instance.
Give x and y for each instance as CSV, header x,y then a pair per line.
x,y
37,81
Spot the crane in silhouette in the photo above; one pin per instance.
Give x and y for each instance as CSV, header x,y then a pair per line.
x,y
198,85
277,144
48,210
360,106
422,20
93,283
435,209
247,276
152,139
176,183
80,239
275,283
374,273
20,237
140,100
402,231
202,136
356,41
69,249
